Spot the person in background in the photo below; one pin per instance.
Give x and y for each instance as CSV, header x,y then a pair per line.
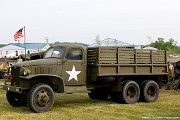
x,y
19,59
171,75
9,70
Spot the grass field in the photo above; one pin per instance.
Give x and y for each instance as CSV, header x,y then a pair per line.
x,y
81,107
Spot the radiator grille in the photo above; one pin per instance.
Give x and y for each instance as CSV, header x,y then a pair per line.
x,y
41,70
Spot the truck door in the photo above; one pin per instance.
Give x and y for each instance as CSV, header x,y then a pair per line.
x,y
74,66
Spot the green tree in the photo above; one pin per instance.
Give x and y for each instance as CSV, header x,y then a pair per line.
x,y
159,44
2,45
170,45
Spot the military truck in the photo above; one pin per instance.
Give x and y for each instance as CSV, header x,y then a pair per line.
x,y
126,75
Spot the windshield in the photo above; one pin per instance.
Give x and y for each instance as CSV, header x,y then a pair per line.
x,y
54,52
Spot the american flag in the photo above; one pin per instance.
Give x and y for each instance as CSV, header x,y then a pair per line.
x,y
18,34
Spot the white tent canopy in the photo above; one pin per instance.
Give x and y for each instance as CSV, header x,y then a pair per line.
x,y
150,48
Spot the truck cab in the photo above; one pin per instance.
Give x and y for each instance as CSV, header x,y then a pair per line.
x,y
70,63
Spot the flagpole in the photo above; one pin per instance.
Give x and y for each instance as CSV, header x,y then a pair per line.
x,y
25,42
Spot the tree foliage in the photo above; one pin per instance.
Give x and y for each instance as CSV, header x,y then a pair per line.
x,y
170,45
2,45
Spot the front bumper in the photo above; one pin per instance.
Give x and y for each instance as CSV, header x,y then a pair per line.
x,y
11,88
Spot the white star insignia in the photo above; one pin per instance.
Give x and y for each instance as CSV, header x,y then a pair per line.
x,y
73,74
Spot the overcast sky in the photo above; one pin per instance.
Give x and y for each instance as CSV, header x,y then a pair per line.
x,y
131,21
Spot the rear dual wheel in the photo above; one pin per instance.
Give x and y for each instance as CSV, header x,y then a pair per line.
x,y
130,93
149,91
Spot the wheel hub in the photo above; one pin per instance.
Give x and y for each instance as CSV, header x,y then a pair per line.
x,y
151,91
131,92
42,98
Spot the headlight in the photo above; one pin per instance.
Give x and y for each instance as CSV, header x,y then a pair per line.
x,y
26,72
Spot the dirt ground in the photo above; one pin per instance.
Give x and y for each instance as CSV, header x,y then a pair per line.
x,y
173,59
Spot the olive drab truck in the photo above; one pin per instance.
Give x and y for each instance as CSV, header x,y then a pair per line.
x,y
126,75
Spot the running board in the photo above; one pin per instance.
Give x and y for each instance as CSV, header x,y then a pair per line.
x,y
75,89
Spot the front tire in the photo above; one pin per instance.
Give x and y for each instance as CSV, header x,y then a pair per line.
x,y
41,98
15,99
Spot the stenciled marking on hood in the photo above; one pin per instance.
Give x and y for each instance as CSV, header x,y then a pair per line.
x,y
73,74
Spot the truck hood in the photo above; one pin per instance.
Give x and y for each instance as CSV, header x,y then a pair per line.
x,y
39,62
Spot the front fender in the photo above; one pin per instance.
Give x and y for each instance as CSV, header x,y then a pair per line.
x,y
55,81
39,75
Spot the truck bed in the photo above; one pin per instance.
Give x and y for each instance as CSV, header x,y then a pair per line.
x,y
112,61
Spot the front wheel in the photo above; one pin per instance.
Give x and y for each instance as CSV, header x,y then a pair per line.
x,y
41,98
15,99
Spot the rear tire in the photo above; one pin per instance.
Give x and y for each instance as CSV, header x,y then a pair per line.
x,y
149,91
130,92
